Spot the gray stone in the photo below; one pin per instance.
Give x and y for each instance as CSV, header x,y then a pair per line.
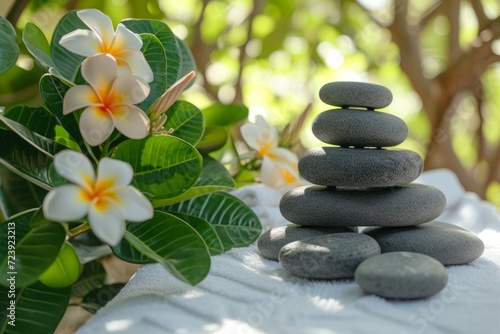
x,y
356,167
355,94
407,205
271,241
330,256
401,275
359,128
447,243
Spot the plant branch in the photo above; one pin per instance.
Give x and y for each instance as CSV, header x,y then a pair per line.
x,y
452,9
431,13
482,19
257,6
16,10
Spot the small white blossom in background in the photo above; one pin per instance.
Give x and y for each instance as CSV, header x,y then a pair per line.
x,y
106,199
108,101
123,45
279,168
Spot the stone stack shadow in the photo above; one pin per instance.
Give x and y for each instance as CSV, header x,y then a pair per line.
x,y
359,182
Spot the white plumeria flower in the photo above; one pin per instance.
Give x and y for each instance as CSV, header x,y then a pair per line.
x,y
123,45
108,101
106,199
279,165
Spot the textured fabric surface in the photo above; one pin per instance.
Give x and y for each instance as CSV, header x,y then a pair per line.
x,y
245,293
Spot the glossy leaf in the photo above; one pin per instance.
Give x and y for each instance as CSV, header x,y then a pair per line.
x,y
235,223
187,61
225,114
214,138
93,276
186,120
164,166
155,56
25,160
9,51
66,62
37,44
17,194
205,230
37,119
214,177
167,38
52,91
39,309
45,145
169,241
35,248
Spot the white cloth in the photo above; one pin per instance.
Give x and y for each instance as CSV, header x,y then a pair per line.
x,y
245,293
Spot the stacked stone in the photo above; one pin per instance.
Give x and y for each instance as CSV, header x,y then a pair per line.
x,y
361,183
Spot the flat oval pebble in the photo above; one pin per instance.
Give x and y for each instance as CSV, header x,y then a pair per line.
x,y
401,275
447,243
355,94
360,128
407,205
330,256
271,241
356,167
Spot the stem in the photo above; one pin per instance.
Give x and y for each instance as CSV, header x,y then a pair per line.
x,y
16,10
89,149
79,230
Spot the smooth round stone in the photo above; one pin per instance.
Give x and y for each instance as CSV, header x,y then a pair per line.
x,y
330,256
353,167
271,241
401,275
355,94
449,244
359,128
407,205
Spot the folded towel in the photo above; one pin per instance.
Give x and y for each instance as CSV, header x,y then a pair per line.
x,y
245,293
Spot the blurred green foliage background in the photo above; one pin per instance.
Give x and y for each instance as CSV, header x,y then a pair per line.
x,y
439,58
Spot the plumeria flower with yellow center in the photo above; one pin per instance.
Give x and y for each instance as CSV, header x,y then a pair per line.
x,y
106,199
123,45
108,101
279,165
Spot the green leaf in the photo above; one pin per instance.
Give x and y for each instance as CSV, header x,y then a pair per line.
x,y
187,61
205,230
169,241
9,51
64,138
155,56
45,145
225,114
164,166
39,309
35,248
235,223
167,38
214,177
98,298
25,160
17,194
93,276
37,44
66,62
186,120
52,91
214,138
37,119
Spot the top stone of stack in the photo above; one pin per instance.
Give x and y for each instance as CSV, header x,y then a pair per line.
x,y
355,94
